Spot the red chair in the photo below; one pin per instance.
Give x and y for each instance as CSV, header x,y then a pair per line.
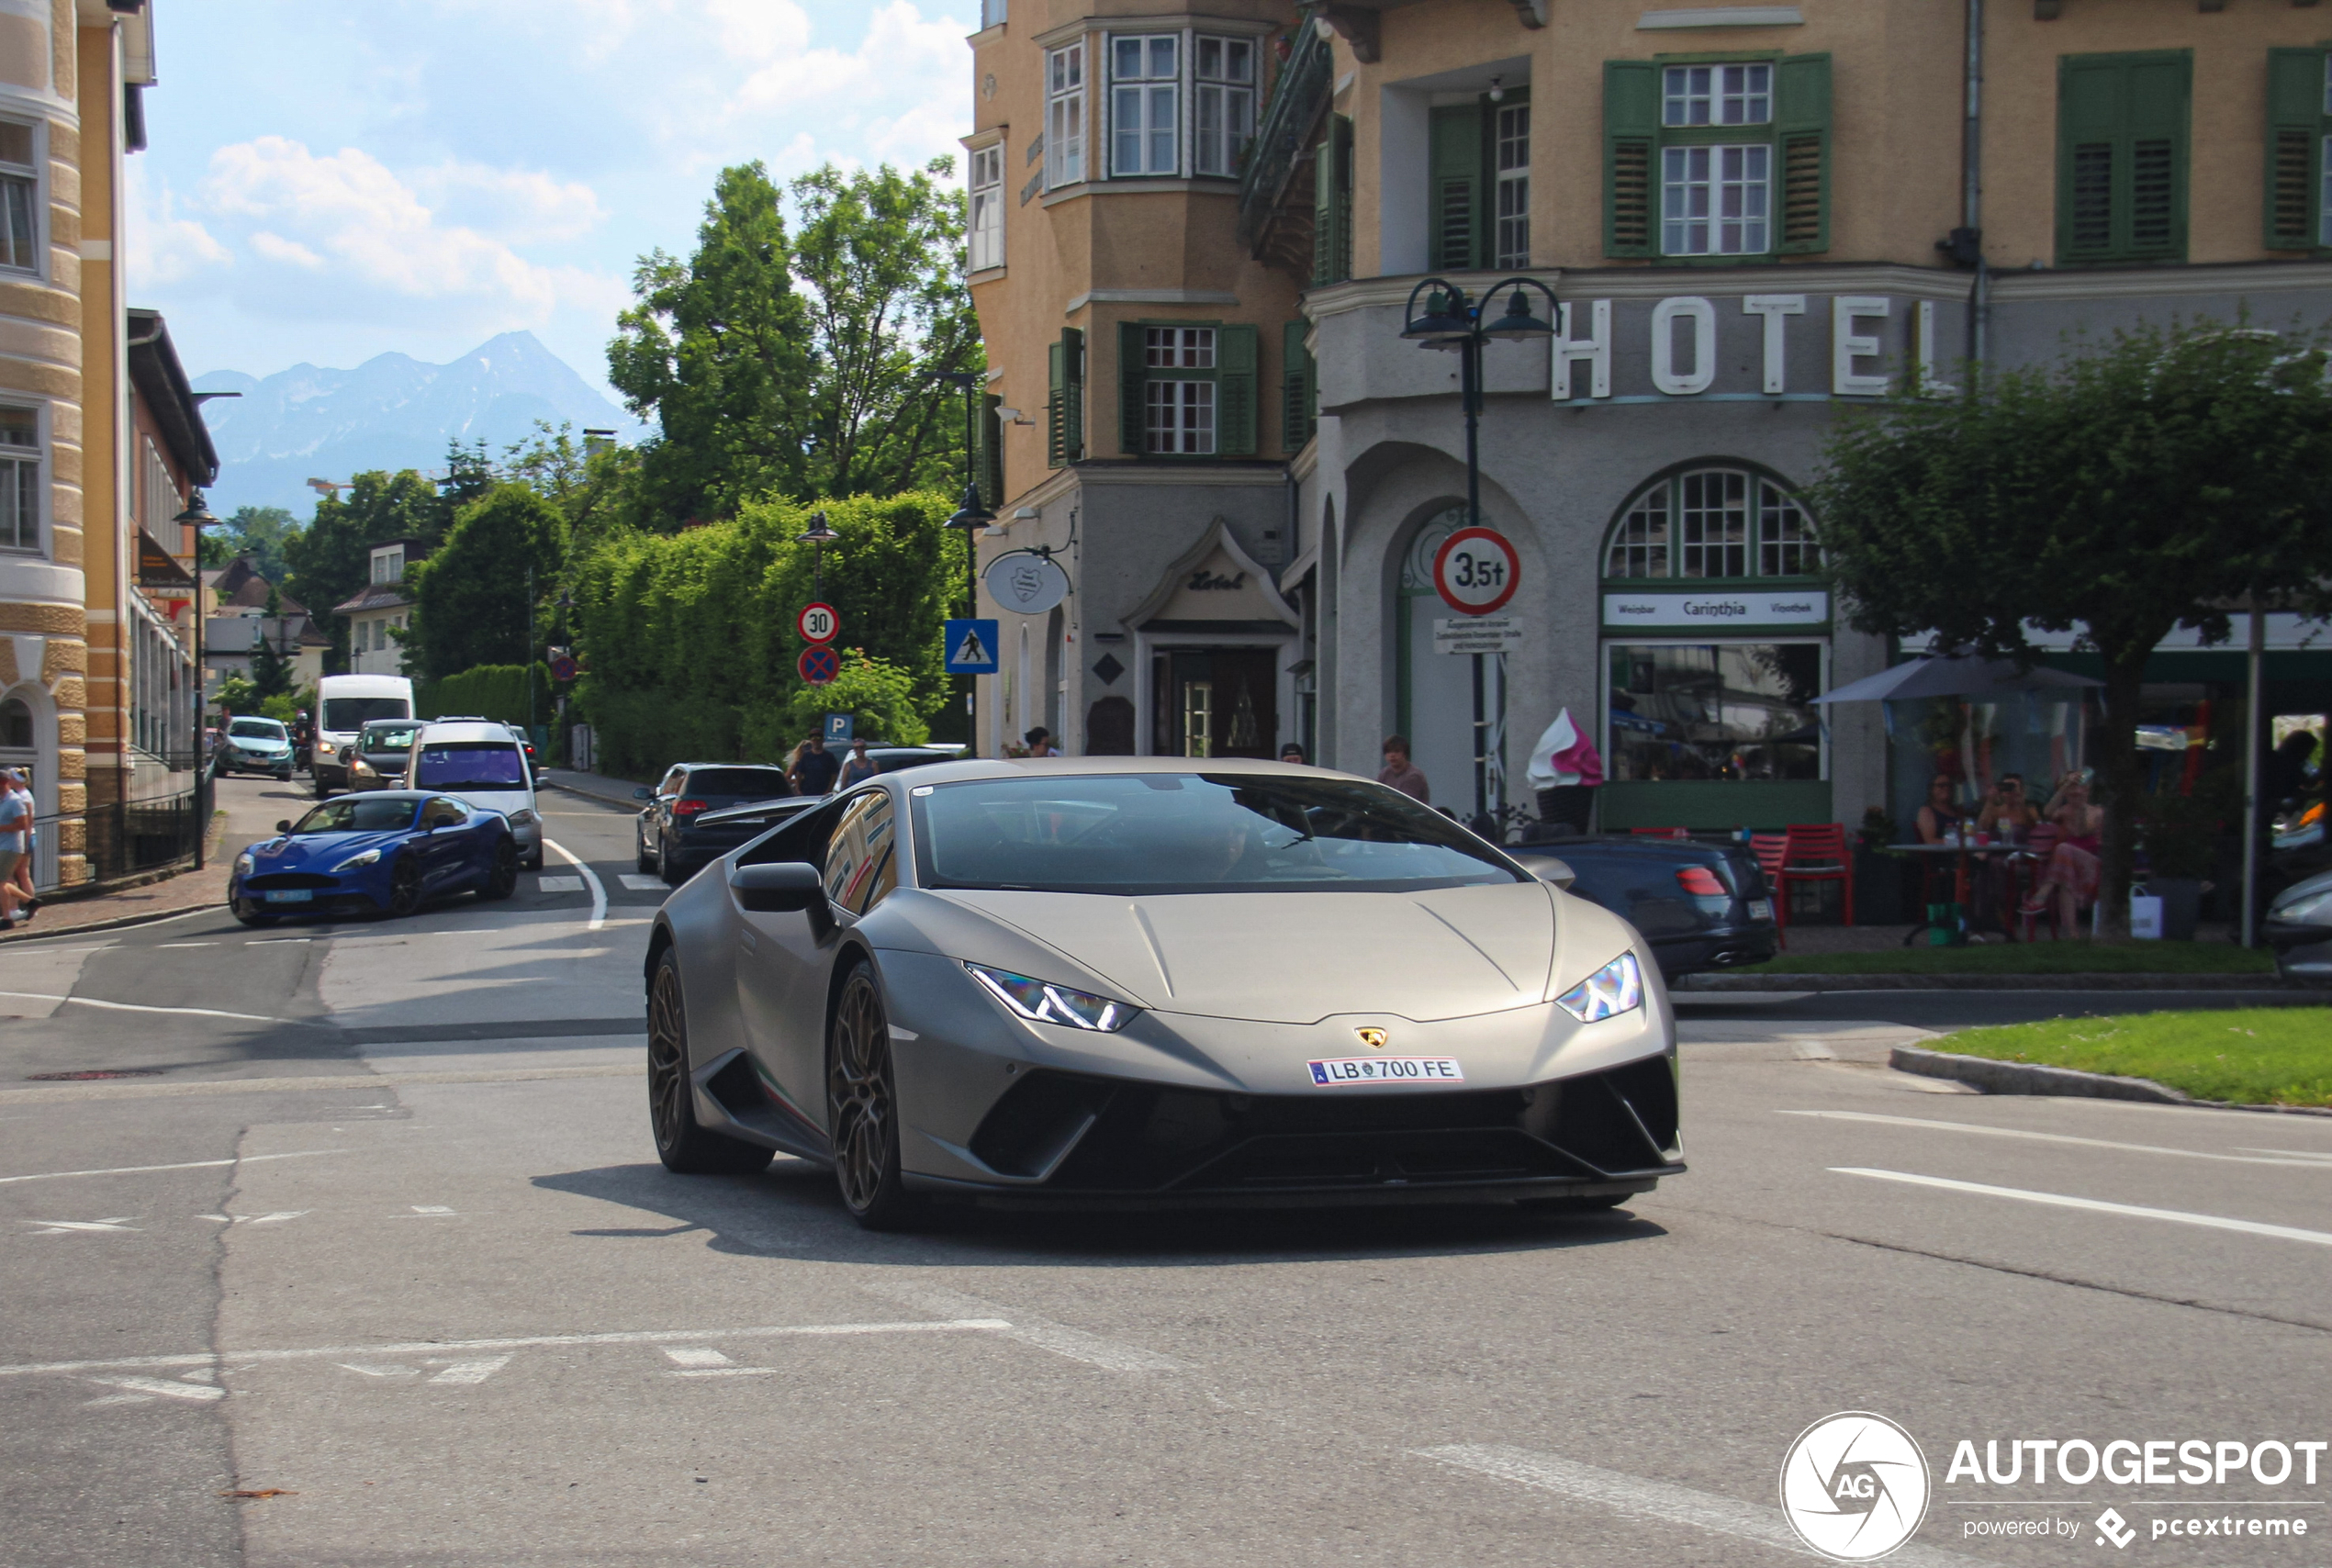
x,y
1816,852
1661,831
1772,850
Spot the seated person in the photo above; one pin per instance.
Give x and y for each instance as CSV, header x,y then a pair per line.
x,y
2006,806
1938,816
2070,876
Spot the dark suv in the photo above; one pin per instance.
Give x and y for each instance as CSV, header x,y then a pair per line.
x,y
669,839
376,759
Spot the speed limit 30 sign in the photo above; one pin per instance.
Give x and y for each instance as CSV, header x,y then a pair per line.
x,y
1475,570
817,623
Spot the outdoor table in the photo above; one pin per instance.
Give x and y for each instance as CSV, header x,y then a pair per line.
x,y
1962,853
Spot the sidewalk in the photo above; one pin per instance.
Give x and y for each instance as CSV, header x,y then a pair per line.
x,y
172,895
593,786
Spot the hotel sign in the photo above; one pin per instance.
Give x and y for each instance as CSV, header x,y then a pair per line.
x,y
1715,612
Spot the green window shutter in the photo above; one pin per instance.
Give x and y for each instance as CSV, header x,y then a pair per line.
x,y
1456,215
1332,204
1073,415
2121,156
1341,257
1056,405
1631,137
1299,392
1802,133
2293,209
1133,387
1235,392
989,450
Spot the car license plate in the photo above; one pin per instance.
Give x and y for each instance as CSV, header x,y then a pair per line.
x,y
1761,909
1387,1069
291,895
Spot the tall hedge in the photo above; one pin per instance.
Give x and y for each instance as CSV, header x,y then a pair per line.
x,y
490,691
688,643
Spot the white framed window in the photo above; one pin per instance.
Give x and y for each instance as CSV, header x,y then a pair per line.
x,y
1511,246
161,500
1224,101
1179,413
984,231
1717,94
1145,103
388,565
1065,116
1715,200
19,480
1713,522
19,197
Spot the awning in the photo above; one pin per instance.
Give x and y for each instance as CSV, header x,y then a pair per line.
x,y
1963,675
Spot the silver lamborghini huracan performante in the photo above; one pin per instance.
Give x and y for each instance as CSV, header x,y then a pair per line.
x,y
1147,983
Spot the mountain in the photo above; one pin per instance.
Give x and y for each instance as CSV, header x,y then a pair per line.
x,y
390,412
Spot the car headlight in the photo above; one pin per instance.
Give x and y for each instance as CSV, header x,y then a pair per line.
x,y
358,765
1616,988
2314,910
324,748
243,865
354,861
521,817
1041,1002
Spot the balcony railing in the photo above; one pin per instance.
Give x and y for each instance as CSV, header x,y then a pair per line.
x,y
1283,140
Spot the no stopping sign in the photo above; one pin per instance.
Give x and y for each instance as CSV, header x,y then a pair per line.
x,y
1475,570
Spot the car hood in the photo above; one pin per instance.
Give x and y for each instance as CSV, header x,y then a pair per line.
x,y
316,851
258,743
1299,958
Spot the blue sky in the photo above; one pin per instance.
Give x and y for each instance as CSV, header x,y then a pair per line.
x,y
327,182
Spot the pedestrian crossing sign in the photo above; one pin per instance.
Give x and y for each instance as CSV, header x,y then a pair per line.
x,y
971,648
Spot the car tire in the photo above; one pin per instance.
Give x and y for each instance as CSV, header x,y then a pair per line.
x,y
283,778
502,880
247,911
641,860
682,1142
862,1109
670,875
404,886
323,791
533,862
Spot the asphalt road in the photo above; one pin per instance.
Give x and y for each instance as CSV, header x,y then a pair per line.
x,y
377,1231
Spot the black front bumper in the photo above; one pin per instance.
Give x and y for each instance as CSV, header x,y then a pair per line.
x,y
1724,947
1102,1143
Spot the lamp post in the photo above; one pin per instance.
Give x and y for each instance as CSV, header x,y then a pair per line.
x,y
971,517
1451,321
818,536
199,517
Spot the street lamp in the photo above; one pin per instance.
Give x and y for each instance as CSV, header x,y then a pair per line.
x,y
818,536
1452,322
199,517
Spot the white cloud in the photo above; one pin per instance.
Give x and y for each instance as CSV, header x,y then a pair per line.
x,y
275,248
521,206
164,247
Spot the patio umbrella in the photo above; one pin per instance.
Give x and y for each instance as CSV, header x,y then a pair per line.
x,y
1962,674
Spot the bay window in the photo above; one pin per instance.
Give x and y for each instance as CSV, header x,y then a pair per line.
x,y
984,231
1225,103
20,198
1144,113
19,480
1065,116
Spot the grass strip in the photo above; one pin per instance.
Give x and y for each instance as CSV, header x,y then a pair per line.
x,y
2254,1056
2031,958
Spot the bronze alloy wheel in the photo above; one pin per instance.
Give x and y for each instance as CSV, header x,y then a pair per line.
x,y
862,1107
682,1141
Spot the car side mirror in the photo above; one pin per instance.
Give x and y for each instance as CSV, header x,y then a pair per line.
x,y
777,888
283,826
643,793
1555,871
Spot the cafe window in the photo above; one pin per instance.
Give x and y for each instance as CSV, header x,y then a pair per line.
x,y
1713,523
1714,710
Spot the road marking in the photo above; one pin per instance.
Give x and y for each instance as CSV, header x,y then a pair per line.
x,y
424,1348
134,1007
187,1165
469,1372
63,1227
2296,1153
1058,1337
200,1392
159,945
558,884
431,1209
2095,1205
598,893
639,883
703,1360
275,941
368,1369
2042,1137
1637,1499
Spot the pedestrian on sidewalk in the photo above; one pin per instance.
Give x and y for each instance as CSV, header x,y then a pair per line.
x,y
16,837
859,766
19,785
1401,773
814,771
1040,742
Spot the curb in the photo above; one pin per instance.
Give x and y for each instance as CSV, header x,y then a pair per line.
x,y
624,799
1995,1077
2261,982
25,933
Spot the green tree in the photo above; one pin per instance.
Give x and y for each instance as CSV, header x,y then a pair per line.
x,y
271,671
881,697
332,558
2130,488
470,595
236,694
591,486
260,532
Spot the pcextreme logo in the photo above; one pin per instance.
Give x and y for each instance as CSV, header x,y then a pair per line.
x,y
1854,1486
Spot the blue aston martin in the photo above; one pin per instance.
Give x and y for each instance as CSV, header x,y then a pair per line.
x,y
385,853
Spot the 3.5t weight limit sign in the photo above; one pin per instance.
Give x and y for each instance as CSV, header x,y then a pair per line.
x,y
1475,570
817,623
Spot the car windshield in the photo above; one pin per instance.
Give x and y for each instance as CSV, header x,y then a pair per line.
x,y
898,761
1191,833
257,729
346,715
359,814
737,783
472,764
388,737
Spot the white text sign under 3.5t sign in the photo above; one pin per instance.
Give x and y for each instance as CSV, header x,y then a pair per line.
x,y
1475,571
1478,634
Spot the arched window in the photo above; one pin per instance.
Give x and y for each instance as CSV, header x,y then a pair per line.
x,y
16,725
1721,523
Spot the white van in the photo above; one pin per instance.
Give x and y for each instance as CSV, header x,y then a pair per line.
x,y
344,703
479,762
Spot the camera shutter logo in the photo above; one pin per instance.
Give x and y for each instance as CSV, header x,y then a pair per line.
x,y
1854,1487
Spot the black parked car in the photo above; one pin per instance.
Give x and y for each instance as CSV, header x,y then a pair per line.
x,y
1701,906
671,841
376,760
